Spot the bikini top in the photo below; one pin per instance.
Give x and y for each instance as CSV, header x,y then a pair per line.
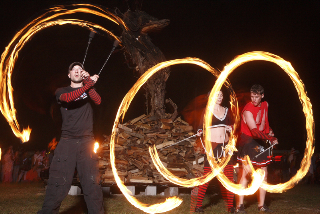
x,y
221,121
225,120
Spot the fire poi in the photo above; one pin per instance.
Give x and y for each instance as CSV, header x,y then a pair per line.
x,y
48,19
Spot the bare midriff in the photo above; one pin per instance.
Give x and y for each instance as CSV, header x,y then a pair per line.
x,y
218,135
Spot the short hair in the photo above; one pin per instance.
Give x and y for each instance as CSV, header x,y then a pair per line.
x,y
74,64
257,89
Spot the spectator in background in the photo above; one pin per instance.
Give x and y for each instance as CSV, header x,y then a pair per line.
x,y
285,165
16,166
37,162
7,165
25,167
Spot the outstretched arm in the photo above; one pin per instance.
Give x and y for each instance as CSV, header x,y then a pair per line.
x,y
71,96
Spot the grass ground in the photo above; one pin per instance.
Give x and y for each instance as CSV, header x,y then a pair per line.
x,y
28,198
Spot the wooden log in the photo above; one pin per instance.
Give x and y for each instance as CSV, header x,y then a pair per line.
x,y
166,120
166,126
124,135
137,119
135,134
124,128
143,126
140,180
109,174
185,128
163,135
181,121
167,143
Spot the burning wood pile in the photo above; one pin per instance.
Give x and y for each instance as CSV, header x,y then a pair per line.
x,y
133,161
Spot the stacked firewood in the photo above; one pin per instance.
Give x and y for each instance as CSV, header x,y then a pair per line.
x,y
133,160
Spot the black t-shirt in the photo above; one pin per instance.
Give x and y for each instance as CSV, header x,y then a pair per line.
x,y
77,116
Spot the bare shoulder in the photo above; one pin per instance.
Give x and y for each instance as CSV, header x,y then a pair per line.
x,y
247,114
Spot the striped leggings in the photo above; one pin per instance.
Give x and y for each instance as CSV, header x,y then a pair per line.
x,y
226,195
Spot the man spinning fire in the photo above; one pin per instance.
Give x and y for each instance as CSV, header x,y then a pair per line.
x,y
254,130
76,145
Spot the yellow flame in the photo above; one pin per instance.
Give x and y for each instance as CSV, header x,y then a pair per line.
x,y
170,203
96,147
216,168
305,101
10,55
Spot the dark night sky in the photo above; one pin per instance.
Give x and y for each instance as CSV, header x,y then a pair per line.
x,y
215,31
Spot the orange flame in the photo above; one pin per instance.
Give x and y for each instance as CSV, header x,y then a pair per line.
x,y
96,147
305,101
217,168
53,144
10,55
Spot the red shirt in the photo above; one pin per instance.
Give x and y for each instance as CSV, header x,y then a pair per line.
x,y
254,110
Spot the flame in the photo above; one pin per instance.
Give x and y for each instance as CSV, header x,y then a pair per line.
x,y
53,144
10,55
216,168
305,101
170,203
96,147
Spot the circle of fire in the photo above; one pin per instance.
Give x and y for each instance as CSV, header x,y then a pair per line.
x,y
216,169
304,99
10,55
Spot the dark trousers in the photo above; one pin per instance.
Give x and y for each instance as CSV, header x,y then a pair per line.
x,y
71,153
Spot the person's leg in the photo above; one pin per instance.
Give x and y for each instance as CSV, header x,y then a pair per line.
x,y
243,181
262,192
60,176
226,194
15,173
88,170
203,188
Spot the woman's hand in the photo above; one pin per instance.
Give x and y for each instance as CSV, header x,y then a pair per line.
x,y
229,128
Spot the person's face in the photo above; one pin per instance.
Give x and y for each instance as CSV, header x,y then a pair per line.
x,y
75,74
219,98
256,98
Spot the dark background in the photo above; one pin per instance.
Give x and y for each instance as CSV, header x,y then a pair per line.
x,y
214,31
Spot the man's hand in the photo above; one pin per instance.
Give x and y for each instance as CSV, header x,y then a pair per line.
x,y
95,78
199,132
271,133
84,74
275,142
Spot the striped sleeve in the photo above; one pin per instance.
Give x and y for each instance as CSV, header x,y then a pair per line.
x,y
95,97
260,135
71,96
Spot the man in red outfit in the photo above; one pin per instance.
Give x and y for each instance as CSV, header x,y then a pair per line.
x,y
254,130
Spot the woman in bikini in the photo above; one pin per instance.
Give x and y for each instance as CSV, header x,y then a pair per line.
x,y
219,137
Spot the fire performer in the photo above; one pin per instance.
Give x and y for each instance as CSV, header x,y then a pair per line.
x,y
75,148
254,129
221,124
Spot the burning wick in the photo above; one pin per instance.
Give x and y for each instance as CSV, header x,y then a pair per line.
x,y
96,147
